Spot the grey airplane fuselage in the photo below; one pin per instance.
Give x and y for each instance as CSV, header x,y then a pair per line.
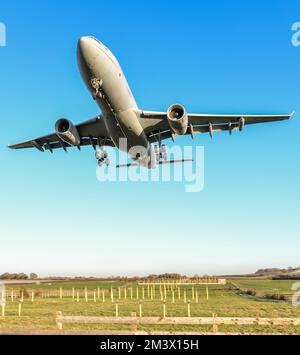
x,y
118,106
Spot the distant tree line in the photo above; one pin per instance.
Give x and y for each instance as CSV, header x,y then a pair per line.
x,y
18,276
277,271
286,277
153,277
119,278
166,276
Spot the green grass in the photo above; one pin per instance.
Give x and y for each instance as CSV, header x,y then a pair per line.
x,y
223,301
266,286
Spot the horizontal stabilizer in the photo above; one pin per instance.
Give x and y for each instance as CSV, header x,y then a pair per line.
x,y
160,163
175,161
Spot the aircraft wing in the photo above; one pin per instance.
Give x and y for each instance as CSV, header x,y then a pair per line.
x,y
91,132
156,124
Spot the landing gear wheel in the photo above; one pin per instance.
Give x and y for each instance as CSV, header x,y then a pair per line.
x,y
96,85
102,157
163,149
161,153
98,155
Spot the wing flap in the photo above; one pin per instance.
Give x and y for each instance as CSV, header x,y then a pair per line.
x,y
223,119
156,124
91,132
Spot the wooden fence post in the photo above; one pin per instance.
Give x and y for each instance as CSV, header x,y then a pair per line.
x,y
32,296
58,321
103,296
117,310
112,295
207,294
137,293
86,295
98,293
77,296
134,325
73,293
189,310
95,297
215,325
3,309
164,310
20,309
141,311
60,293
22,296
197,297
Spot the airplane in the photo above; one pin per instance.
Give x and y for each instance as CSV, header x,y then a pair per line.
x,y
121,119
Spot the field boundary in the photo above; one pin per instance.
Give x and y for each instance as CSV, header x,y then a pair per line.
x,y
214,321
16,331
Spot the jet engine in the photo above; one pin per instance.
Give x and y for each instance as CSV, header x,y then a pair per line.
x,y
67,132
178,119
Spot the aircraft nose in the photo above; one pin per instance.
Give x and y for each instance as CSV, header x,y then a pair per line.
x,y
86,57
85,48
84,41
87,52
89,58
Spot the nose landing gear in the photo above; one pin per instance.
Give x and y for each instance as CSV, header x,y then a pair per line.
x,y
102,157
97,85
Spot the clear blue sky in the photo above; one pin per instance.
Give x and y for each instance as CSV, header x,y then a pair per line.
x,y
214,57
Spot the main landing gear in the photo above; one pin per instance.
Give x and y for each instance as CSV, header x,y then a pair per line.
x,y
161,153
102,157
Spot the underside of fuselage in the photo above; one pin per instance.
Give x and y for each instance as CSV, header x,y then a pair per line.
x,y
107,84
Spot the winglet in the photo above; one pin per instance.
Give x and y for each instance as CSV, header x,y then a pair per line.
x,y
292,114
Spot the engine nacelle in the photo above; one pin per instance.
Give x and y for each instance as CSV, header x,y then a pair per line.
x,y
67,132
178,119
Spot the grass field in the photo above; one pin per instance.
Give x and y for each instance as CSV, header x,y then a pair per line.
x,y
267,286
223,301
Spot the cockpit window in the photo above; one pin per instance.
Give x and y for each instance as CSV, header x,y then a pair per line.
x,y
100,43
108,52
